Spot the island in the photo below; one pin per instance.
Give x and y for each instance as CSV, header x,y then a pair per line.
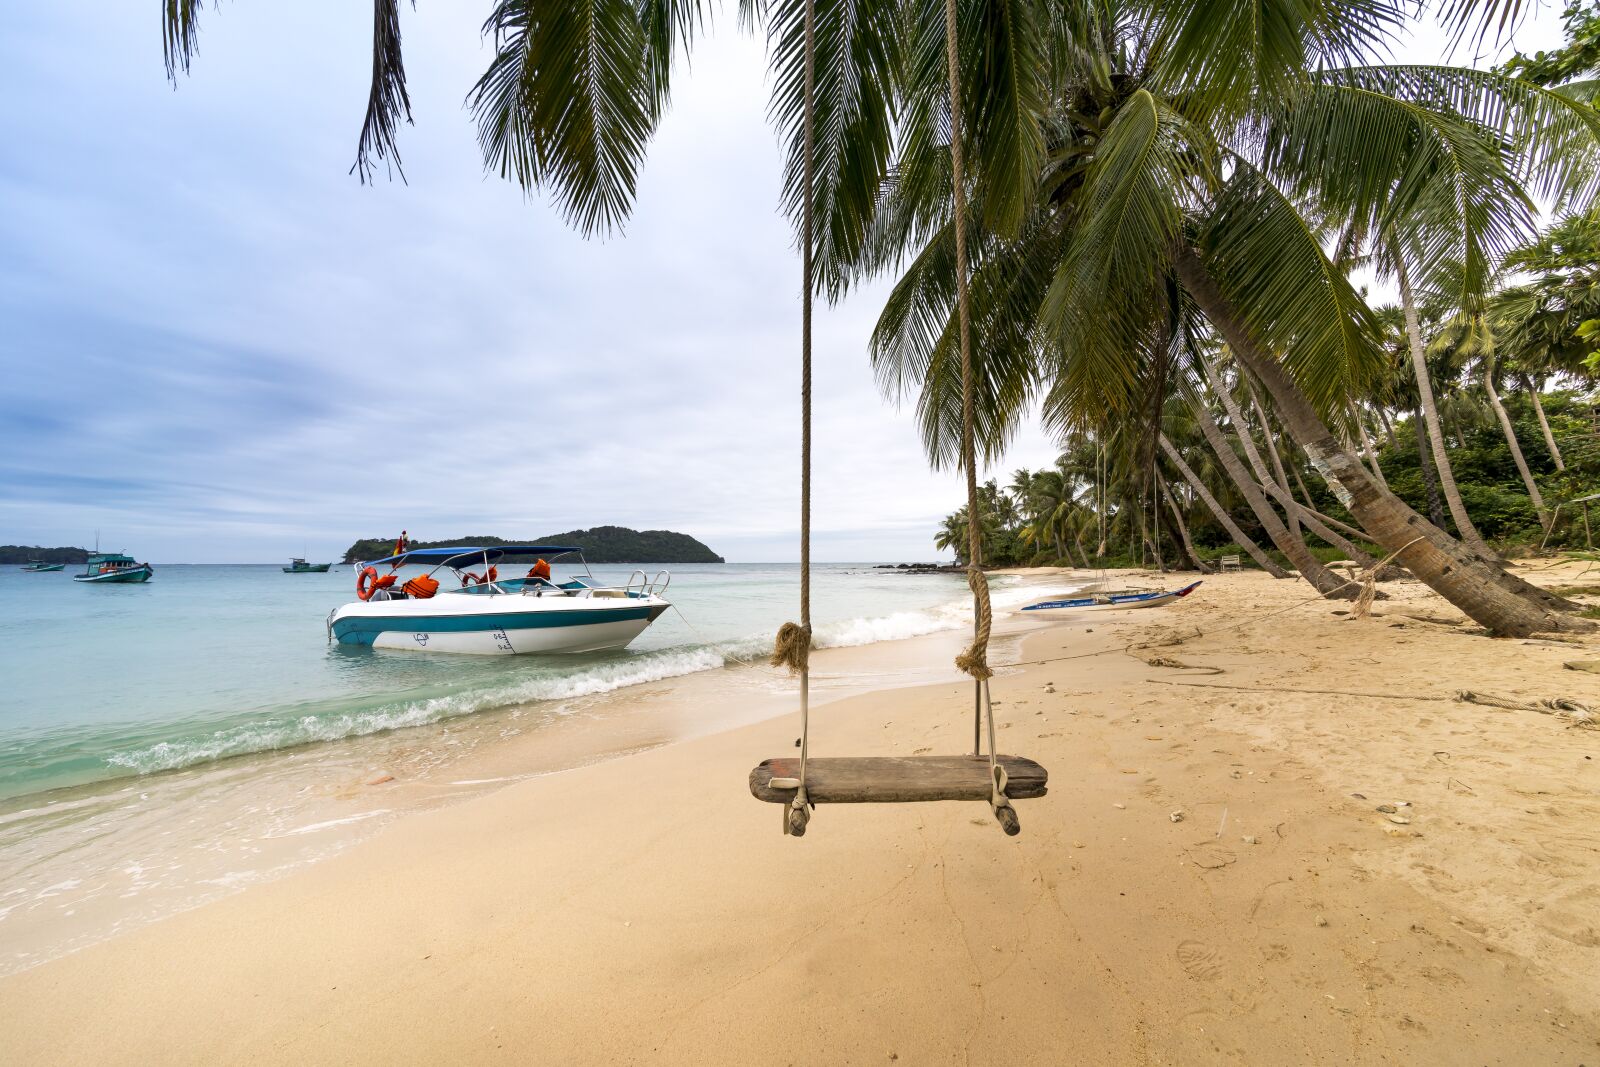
x,y
28,553
603,544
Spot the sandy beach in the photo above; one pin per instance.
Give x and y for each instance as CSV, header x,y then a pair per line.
x,y
1209,879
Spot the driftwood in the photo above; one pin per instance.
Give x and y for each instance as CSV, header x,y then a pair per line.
x,y
896,779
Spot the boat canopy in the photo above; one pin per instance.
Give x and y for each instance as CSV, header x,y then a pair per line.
x,y
435,556
110,557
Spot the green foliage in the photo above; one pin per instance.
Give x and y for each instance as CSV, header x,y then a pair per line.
x,y
603,544
29,553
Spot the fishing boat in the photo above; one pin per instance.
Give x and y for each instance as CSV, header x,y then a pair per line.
x,y
300,566
114,567
485,613
35,566
1122,598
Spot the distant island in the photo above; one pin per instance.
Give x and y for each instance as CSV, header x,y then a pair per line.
x,y
29,553
603,544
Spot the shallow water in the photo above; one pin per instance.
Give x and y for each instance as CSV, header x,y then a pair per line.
x,y
206,662
167,744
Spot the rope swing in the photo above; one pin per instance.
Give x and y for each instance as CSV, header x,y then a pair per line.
x,y
804,783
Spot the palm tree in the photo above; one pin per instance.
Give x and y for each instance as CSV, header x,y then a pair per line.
x,y
1123,162
1180,154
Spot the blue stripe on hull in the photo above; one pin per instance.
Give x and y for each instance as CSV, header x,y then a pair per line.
x,y
364,629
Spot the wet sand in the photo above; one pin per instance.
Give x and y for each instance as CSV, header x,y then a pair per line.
x,y
1208,879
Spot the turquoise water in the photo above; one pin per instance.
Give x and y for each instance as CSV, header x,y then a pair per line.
x,y
207,662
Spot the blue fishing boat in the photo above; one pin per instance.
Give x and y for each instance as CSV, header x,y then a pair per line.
x,y
1127,598
34,566
114,567
300,566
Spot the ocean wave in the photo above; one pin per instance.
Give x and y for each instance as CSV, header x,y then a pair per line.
x,y
274,733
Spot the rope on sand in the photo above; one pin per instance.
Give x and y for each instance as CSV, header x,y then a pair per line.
x,y
1577,715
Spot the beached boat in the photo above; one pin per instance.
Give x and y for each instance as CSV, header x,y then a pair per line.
x,y
114,568
34,566
300,566
1126,598
492,615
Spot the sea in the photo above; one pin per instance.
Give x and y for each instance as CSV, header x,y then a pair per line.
x,y
165,743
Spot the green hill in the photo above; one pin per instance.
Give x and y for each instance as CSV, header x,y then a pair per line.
x,y
29,553
603,544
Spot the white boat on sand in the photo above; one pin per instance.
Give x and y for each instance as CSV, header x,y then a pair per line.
x,y
491,615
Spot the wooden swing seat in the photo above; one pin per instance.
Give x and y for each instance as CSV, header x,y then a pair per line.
x,y
894,779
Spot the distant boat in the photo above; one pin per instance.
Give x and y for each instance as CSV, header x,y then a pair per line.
x,y
1130,598
34,566
300,566
114,567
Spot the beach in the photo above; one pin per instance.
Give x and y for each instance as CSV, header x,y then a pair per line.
x,y
1209,878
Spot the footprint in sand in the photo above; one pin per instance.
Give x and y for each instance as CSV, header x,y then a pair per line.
x,y
1200,960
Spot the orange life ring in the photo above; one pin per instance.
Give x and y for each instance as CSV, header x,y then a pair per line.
x,y
367,583
468,578
494,573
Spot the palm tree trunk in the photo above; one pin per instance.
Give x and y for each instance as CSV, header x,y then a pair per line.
x,y
1544,423
1503,603
1430,413
1183,528
1388,426
1285,496
1082,553
1366,446
1429,480
1290,544
1240,538
1516,448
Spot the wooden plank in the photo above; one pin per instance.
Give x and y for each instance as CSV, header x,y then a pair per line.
x,y
896,779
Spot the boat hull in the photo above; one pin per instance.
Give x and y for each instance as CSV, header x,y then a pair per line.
x,y
130,575
507,626
310,568
1112,602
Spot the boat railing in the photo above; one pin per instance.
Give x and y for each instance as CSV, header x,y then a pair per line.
x,y
645,585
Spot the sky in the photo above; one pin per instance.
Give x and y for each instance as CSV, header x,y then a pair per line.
x,y
217,346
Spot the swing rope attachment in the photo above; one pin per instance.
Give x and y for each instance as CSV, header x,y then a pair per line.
x,y
792,647
975,660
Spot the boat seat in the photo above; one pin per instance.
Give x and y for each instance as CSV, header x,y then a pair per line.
x,y
894,779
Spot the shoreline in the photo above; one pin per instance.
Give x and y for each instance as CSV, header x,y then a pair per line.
x,y
246,820
646,909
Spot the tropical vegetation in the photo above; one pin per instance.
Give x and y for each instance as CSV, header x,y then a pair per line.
x,y
1159,224
602,544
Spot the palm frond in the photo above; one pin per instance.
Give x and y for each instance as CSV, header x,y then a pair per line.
x,y
1292,298
568,104
1550,136
1221,56
180,34
387,99
1104,298
857,57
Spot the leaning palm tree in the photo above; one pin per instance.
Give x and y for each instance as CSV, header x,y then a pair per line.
x,y
1108,151
1184,155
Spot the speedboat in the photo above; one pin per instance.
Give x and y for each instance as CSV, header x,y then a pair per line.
x,y
300,566
114,568
35,566
1125,598
488,614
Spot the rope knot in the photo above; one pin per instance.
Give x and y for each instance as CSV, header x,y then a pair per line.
x,y
792,648
975,660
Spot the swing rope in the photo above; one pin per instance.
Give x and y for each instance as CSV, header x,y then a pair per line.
x,y
975,660
792,648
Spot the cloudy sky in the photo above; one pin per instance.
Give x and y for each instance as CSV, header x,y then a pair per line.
x,y
216,346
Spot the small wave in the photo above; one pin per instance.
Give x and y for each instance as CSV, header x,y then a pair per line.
x,y
275,733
